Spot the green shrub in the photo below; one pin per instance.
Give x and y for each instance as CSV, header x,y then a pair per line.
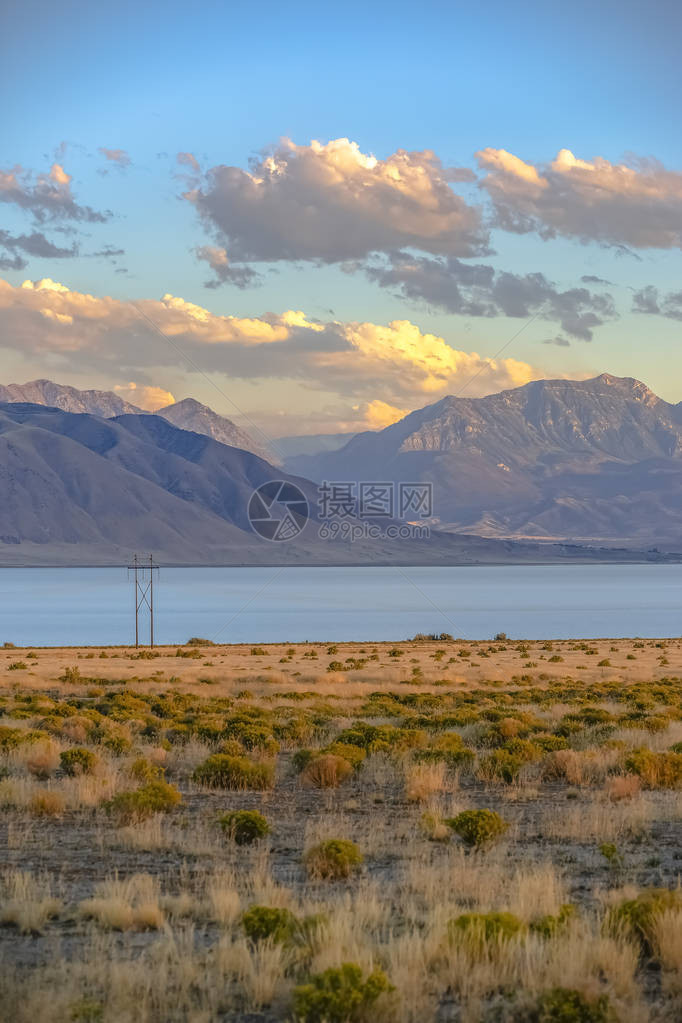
x,y
302,758
565,1005
156,797
610,853
17,666
117,744
480,929
221,771
143,770
10,738
501,765
548,926
478,828
355,755
77,760
245,826
333,860
636,918
657,770
341,995
262,923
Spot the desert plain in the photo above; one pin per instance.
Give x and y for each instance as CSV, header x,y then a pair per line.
x,y
429,830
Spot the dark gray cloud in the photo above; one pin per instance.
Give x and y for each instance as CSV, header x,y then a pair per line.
x,y
650,301
16,247
225,271
48,197
591,279
480,290
108,252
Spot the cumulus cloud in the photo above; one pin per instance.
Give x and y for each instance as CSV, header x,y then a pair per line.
x,y
649,300
472,289
116,156
225,272
331,202
147,396
354,360
636,205
48,197
375,415
34,244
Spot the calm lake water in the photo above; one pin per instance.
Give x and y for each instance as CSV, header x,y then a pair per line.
x,y
74,606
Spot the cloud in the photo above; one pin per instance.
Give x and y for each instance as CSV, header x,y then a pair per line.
x,y
354,360
108,252
650,301
592,279
34,244
471,289
328,203
188,160
225,272
117,156
375,415
636,205
146,397
49,197
558,342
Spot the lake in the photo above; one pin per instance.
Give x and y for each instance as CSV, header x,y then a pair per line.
x,y
81,606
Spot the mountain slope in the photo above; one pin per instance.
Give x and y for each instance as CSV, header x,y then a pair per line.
x,y
69,399
189,414
592,460
81,489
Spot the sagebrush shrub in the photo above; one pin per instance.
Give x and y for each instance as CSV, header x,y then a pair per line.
x,y
333,860
341,995
222,771
479,929
263,923
636,918
566,1005
478,828
550,925
77,760
657,770
155,797
245,826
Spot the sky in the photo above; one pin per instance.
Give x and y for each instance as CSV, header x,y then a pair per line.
x,y
316,218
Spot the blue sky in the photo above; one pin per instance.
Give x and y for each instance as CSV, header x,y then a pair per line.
x,y
225,81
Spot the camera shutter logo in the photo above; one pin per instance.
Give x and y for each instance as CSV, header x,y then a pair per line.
x,y
278,510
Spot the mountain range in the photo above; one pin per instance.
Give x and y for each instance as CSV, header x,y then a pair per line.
x,y
83,489
593,461
550,470
188,414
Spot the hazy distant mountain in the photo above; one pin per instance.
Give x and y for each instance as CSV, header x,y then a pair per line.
x,y
312,444
189,414
70,399
595,459
81,489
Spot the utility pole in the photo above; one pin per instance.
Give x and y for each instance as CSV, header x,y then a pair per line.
x,y
143,569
